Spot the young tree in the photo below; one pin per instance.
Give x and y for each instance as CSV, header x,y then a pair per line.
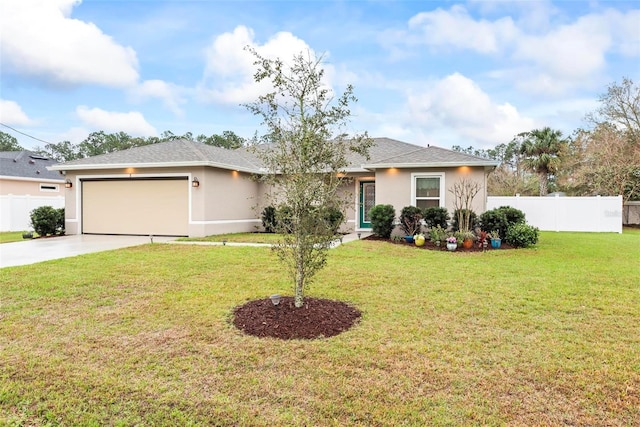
x,y
541,149
305,154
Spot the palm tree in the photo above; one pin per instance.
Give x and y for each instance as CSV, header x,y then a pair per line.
x,y
541,149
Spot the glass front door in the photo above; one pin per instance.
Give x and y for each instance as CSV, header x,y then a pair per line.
x,y
367,201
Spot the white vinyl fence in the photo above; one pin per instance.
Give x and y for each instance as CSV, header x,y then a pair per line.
x,y
558,213
15,210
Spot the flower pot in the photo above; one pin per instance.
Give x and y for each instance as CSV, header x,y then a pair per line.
x,y
452,246
409,239
419,240
495,243
467,243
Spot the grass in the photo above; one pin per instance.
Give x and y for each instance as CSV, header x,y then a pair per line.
x,y
140,336
11,236
267,238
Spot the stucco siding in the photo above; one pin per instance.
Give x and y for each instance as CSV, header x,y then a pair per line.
x,y
30,187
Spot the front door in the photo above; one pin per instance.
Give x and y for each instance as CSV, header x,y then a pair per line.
x,y
367,201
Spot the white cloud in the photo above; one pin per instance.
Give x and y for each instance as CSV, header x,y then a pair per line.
x,y
456,28
169,93
132,122
39,38
457,105
12,114
228,75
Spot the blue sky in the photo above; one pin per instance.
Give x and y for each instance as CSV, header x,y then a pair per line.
x,y
425,72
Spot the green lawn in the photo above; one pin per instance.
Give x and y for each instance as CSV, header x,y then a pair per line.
x,y
11,236
267,238
141,336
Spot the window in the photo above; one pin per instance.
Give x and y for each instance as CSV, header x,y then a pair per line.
x,y
50,187
428,190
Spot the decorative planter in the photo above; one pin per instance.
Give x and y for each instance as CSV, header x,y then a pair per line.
x,y
495,243
419,240
467,243
452,246
409,239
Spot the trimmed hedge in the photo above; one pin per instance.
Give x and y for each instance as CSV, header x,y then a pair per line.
x,y
382,218
522,235
47,221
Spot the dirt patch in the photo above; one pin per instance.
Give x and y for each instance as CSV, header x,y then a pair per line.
x,y
318,318
428,245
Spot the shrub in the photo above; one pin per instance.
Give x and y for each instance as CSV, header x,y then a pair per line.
x,y
269,219
382,217
333,217
501,219
436,216
47,220
522,235
473,219
411,220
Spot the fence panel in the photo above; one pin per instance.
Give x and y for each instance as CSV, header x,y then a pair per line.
x,y
600,214
15,210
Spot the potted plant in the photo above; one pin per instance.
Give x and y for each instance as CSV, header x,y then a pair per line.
x,y
494,236
481,238
411,222
467,239
452,243
419,239
437,234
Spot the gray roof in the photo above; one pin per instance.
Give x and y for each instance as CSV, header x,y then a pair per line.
x,y
27,164
384,153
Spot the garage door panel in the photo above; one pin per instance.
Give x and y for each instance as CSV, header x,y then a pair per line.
x,y
158,207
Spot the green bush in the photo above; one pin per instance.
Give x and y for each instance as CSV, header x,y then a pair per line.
x,y
47,221
436,216
333,217
473,219
522,235
411,220
501,219
269,219
382,217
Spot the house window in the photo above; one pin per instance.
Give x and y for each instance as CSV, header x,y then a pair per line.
x,y
428,190
51,188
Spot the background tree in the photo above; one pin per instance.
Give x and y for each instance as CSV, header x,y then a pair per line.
x,y
541,150
304,153
9,143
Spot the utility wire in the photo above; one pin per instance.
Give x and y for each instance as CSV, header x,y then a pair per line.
x,y
25,134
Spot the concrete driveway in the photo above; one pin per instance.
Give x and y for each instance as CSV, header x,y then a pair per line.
x,y
38,250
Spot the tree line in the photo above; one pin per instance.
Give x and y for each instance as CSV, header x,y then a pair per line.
x,y
602,159
101,143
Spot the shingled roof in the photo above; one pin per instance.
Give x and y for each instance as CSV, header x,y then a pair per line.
x,y
384,153
27,164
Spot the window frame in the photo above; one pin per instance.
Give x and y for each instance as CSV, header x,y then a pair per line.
x,y
414,187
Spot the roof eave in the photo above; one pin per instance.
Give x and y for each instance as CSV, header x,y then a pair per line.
x,y
427,165
63,167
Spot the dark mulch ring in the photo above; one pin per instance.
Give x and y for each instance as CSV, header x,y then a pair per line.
x,y
318,318
443,247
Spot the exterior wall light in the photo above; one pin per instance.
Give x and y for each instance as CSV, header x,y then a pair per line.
x,y
195,183
68,184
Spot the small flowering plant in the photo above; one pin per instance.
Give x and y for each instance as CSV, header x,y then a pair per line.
x,y
452,239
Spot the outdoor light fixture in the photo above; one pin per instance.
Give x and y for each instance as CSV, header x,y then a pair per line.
x,y
195,183
359,234
275,299
68,184
224,242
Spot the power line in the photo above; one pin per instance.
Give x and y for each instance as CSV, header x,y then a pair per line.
x,y
25,134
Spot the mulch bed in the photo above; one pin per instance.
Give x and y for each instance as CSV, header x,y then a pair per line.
x,y
443,247
318,318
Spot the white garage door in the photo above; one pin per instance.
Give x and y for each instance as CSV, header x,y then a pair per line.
x,y
136,206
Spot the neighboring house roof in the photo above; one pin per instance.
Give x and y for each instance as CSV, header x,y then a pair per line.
x,y
384,153
27,164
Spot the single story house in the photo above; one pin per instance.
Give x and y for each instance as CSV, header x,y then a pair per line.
x,y
185,188
25,184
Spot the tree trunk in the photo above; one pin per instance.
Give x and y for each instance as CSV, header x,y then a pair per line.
x,y
544,187
299,293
